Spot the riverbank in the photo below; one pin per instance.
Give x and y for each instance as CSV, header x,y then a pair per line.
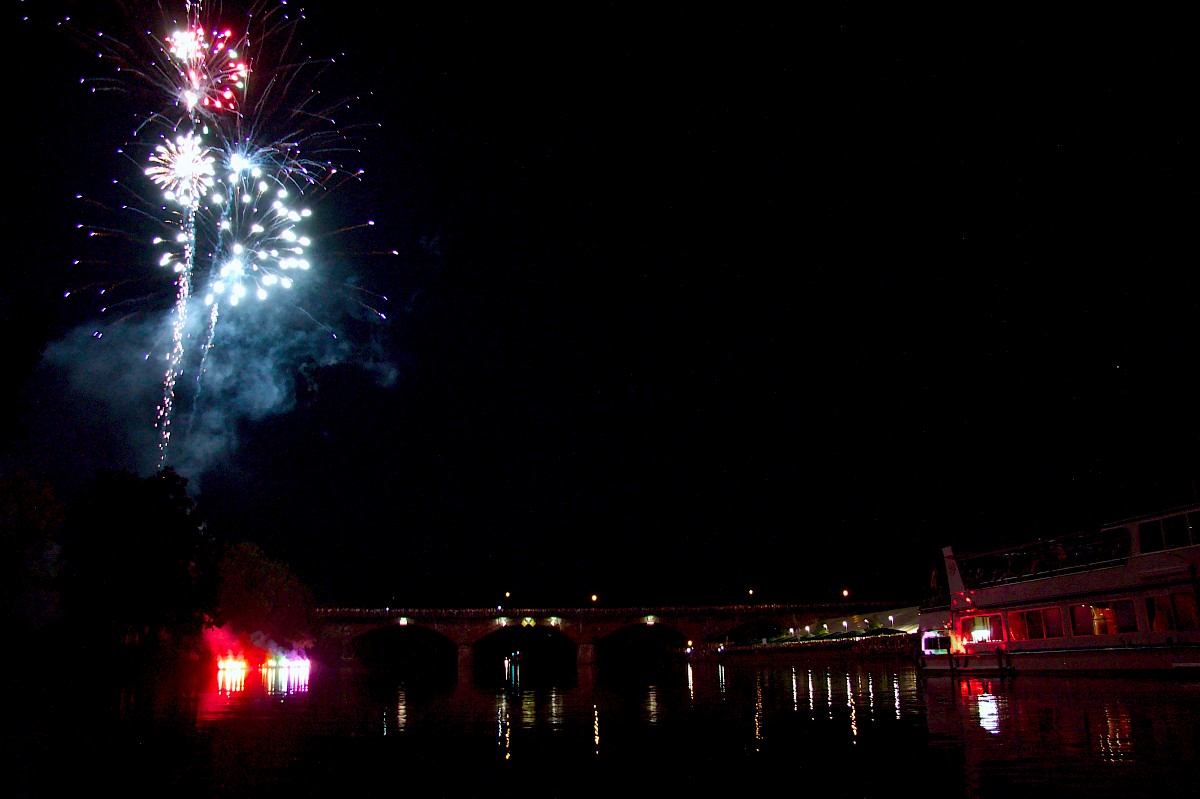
x,y
883,645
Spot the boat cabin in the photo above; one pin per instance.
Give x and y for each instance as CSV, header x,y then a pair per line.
x,y
1130,583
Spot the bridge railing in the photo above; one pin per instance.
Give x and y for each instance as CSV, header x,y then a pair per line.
x,y
831,608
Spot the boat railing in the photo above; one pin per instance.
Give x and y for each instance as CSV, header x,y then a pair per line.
x,y
1042,573
1045,558
1111,545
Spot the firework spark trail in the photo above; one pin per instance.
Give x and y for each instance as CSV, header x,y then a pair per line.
x,y
209,339
184,171
178,332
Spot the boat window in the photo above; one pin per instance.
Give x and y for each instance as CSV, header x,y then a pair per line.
x,y
1026,625
1034,622
1186,615
1052,618
1151,535
1111,543
1018,628
1175,532
1173,612
1171,532
936,643
1159,613
1104,618
978,629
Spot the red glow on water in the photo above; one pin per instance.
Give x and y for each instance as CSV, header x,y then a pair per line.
x,y
237,657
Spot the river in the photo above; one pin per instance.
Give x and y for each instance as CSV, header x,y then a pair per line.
x,y
742,727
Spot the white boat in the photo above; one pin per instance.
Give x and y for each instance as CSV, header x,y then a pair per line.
x,y
1122,598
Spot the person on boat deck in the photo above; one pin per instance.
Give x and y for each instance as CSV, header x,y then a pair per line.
x,y
1059,554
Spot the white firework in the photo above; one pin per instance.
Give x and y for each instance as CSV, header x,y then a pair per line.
x,y
183,169
261,240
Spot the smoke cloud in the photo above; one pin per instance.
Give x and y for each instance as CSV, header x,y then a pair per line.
x,y
93,400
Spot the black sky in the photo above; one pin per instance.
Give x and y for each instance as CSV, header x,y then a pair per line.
x,y
685,303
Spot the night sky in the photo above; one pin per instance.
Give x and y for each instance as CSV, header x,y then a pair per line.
x,y
680,304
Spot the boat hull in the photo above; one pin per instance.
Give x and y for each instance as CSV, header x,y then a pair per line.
x,y
1176,661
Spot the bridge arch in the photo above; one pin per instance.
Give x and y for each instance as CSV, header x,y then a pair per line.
x,y
640,647
543,651
410,650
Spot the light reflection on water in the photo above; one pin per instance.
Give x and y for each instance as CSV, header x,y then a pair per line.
x,y
286,679
231,681
841,729
1116,737
401,711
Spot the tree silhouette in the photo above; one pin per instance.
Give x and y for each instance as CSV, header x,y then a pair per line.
x,y
31,518
139,567
262,603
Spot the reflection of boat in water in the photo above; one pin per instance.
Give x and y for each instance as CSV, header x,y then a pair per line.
x,y
1078,735
1122,598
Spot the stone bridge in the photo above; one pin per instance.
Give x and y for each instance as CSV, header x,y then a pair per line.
x,y
581,633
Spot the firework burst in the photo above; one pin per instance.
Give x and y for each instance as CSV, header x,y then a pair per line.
x,y
212,74
236,163
183,169
262,242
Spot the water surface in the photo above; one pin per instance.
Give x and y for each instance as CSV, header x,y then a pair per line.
x,y
746,726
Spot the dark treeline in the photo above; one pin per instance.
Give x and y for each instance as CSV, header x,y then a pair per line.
x,y
128,572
